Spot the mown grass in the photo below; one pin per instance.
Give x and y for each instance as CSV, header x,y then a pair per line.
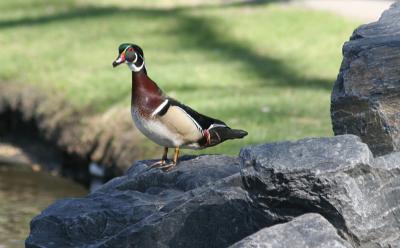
x,y
266,68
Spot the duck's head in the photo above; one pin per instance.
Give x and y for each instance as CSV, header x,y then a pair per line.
x,y
132,55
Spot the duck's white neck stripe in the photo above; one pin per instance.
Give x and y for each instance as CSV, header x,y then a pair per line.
x,y
135,68
159,108
135,58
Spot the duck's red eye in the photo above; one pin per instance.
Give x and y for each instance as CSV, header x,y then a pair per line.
x,y
130,49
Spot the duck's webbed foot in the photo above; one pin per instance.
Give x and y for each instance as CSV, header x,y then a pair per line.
x,y
170,166
158,164
163,160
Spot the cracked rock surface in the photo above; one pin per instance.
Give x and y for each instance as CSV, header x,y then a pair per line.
x,y
216,201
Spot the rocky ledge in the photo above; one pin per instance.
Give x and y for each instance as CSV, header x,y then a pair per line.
x,y
317,192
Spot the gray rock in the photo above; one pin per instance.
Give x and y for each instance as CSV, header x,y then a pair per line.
x,y
306,231
335,177
389,162
318,154
366,96
199,204
216,201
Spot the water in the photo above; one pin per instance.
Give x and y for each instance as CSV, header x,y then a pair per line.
x,y
23,194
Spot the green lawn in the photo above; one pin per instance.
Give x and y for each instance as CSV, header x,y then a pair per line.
x,y
265,68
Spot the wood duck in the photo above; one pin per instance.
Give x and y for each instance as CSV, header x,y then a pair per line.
x,y
163,119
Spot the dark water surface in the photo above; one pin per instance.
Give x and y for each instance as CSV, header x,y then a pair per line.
x,y
23,195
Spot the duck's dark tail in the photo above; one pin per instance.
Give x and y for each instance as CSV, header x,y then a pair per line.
x,y
220,134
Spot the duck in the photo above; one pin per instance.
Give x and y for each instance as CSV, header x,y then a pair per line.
x,y
164,120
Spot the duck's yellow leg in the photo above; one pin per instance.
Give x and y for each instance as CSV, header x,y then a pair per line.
x,y
172,165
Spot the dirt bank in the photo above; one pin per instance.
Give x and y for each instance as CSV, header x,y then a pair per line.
x,y
78,136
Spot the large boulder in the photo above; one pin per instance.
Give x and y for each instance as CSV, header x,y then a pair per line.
x,y
199,204
366,95
216,201
336,177
306,231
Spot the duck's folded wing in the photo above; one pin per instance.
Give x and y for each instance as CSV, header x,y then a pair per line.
x,y
195,127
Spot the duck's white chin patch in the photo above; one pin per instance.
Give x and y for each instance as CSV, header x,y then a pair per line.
x,y
135,68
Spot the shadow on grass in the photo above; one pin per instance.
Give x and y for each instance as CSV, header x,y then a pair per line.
x,y
89,11
198,33
74,14
203,34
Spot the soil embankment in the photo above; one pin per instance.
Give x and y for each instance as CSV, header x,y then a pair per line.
x,y
29,118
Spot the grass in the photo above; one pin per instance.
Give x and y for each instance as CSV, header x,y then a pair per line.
x,y
266,68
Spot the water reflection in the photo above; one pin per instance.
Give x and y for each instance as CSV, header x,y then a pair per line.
x,y
23,194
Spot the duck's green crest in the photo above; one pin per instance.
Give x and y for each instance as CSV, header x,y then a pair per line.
x,y
123,46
